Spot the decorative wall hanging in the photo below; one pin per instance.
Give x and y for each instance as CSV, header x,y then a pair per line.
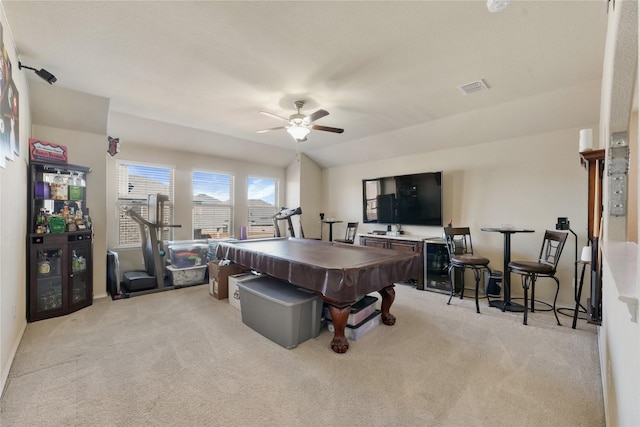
x,y
9,103
47,152
114,146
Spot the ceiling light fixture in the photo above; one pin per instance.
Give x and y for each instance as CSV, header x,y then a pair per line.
x,y
44,74
496,6
299,131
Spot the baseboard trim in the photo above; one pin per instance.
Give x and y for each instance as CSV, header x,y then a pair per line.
x,y
14,350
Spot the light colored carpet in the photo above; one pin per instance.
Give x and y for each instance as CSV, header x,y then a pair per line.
x,y
182,358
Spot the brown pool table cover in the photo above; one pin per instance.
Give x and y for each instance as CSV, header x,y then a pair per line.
x,y
340,272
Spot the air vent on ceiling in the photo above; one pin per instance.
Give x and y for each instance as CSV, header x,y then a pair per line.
x,y
473,87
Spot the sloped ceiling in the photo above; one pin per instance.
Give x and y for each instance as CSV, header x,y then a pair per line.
x,y
387,72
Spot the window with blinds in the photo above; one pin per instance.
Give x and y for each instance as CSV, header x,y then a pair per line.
x,y
261,203
135,183
372,189
212,205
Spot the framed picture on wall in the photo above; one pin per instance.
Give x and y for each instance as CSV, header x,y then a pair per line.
x,y
9,107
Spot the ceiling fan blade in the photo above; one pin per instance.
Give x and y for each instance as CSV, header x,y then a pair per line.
x,y
266,113
270,129
317,115
327,129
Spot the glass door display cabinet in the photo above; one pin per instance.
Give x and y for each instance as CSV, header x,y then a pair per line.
x,y
60,241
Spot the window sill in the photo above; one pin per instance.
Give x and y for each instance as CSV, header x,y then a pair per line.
x,y
622,258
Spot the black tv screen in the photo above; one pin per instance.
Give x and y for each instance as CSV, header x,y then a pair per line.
x,y
414,199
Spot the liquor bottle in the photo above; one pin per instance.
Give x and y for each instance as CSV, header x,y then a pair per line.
x,y
75,262
39,224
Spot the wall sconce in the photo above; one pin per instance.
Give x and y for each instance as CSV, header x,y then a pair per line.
x,y
44,74
586,140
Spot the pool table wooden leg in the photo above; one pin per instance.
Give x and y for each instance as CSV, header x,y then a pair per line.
x,y
388,296
339,317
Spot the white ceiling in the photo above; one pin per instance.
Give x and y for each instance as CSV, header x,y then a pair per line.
x,y
386,71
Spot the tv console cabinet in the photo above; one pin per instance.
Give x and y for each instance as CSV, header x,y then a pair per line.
x,y
433,276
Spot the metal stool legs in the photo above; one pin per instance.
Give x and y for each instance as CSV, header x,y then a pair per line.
x,y
477,276
529,281
453,285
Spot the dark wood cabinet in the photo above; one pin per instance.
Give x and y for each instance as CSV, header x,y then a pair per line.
x,y
375,242
60,274
434,275
405,245
60,251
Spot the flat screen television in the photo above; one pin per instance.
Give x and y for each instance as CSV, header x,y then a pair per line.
x,y
414,199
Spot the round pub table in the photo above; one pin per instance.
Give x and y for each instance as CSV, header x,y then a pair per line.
x,y
330,222
506,304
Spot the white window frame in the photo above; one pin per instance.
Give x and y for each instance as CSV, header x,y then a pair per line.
x,y
140,204
199,208
262,226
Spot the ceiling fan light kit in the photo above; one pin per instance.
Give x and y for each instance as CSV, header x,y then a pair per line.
x,y
496,6
299,132
300,125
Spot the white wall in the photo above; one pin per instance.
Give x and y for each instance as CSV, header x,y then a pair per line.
x,y
619,335
304,189
13,227
87,149
292,196
528,182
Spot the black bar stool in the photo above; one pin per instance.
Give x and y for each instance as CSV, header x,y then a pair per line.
x,y
460,248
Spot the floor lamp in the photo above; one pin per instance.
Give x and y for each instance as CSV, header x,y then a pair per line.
x,y
563,224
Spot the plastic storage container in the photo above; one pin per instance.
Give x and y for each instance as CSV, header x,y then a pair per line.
x,y
359,311
213,246
356,332
280,311
188,253
187,276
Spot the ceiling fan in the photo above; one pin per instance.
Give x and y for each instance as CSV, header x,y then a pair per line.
x,y
300,125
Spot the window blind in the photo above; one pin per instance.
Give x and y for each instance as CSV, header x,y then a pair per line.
x,y
212,205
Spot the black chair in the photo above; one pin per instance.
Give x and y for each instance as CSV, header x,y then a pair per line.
x,y
545,266
350,233
460,249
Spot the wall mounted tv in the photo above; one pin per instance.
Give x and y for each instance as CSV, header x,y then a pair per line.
x,y
414,199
